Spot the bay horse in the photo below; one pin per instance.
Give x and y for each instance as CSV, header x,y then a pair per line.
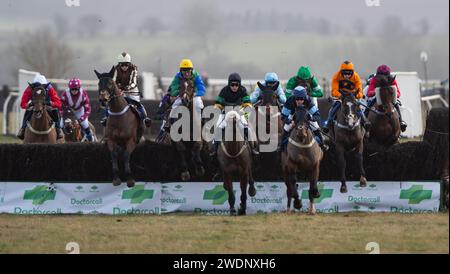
x,y
268,99
235,159
72,129
41,128
385,128
193,146
348,136
302,154
123,129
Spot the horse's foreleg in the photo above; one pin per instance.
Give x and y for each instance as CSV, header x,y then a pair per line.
x,y
228,186
197,159
114,150
185,175
131,144
341,163
251,182
297,200
360,159
313,190
244,183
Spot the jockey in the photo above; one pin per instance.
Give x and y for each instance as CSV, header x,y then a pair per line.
x,y
125,76
76,99
51,100
372,90
187,73
270,80
306,79
234,94
298,99
348,80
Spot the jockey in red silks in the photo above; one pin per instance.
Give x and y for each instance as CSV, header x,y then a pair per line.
x,y
76,99
372,92
51,100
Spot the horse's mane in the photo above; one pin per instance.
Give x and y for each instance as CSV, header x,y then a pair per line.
x,y
300,114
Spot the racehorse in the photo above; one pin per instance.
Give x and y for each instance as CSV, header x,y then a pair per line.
x,y
235,158
183,146
268,99
349,137
385,122
72,129
41,128
302,154
123,129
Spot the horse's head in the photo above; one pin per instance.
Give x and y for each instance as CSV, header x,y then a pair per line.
x,y
268,94
38,97
187,91
387,89
69,125
302,125
107,88
349,108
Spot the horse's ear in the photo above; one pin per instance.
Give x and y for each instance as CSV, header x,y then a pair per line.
x,y
30,84
276,86
46,86
111,72
393,78
261,86
97,73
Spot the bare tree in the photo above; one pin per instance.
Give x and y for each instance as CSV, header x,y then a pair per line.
x,y
151,26
61,25
90,25
45,53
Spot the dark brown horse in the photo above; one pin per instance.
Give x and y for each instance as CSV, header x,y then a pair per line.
x,y
265,110
302,154
123,128
41,129
349,137
193,146
385,122
235,158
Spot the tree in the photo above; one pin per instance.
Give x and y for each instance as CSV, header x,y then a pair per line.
x,y
90,25
424,27
61,25
43,52
152,26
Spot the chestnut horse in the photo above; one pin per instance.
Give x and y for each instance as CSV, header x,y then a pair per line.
x,y
41,128
385,122
123,129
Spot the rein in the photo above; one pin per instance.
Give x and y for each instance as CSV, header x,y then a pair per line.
x,y
244,147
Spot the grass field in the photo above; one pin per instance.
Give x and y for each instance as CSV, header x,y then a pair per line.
x,y
274,233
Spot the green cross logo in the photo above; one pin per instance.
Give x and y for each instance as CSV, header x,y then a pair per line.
x,y
415,194
218,195
39,195
137,194
94,189
324,194
79,189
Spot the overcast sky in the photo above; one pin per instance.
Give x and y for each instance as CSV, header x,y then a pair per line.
x,y
116,13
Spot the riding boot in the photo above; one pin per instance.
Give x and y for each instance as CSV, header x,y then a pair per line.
x,y
26,118
331,116
147,121
88,134
403,124
365,122
370,104
54,114
253,145
284,140
319,139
